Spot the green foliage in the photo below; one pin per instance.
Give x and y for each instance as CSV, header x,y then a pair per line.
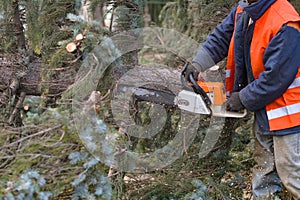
x,y
28,186
34,32
296,4
51,16
60,162
194,18
198,18
200,191
92,31
67,26
8,39
127,15
91,183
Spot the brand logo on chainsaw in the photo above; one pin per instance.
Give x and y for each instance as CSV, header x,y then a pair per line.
x,y
183,102
110,139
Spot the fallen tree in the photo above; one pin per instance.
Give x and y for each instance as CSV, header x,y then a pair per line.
x,y
31,81
18,81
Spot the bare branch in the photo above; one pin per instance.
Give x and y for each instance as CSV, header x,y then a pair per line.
x,y
31,136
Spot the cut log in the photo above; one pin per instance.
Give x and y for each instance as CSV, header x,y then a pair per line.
x,y
71,47
26,107
79,37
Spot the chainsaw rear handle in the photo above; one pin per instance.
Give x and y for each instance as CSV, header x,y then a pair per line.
x,y
195,87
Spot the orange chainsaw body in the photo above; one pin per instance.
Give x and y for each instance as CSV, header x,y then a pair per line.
x,y
215,90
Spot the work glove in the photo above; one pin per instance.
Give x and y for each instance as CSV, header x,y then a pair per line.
x,y
191,69
234,102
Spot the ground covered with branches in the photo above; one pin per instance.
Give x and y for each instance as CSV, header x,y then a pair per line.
x,y
47,159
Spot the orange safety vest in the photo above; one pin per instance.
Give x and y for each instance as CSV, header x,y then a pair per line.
x,y
284,112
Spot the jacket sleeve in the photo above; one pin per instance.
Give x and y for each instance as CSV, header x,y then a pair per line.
x,y
281,61
215,48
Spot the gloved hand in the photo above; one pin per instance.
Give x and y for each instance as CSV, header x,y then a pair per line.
x,y
234,102
191,69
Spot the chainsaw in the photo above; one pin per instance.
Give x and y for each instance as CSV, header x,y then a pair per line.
x,y
198,97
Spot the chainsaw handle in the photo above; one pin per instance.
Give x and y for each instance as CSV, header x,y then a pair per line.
x,y
195,87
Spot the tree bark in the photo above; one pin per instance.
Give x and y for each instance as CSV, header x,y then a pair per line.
x,y
19,30
32,84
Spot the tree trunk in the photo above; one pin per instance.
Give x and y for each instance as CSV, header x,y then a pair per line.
x,y
19,30
31,82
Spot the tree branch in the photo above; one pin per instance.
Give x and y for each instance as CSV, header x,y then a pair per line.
x,y
31,136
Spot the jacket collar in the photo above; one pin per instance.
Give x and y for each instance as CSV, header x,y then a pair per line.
x,y
257,9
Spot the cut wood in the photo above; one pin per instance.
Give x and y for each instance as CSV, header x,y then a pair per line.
x,y
71,47
79,37
26,107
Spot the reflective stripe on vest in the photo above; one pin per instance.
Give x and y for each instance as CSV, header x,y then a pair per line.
x,y
227,71
283,111
286,110
295,83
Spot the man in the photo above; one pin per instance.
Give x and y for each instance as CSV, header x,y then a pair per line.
x,y
261,40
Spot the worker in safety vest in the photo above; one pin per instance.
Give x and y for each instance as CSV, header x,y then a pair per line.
x,y
261,40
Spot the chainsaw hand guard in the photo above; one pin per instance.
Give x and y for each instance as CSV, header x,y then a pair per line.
x,y
195,87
